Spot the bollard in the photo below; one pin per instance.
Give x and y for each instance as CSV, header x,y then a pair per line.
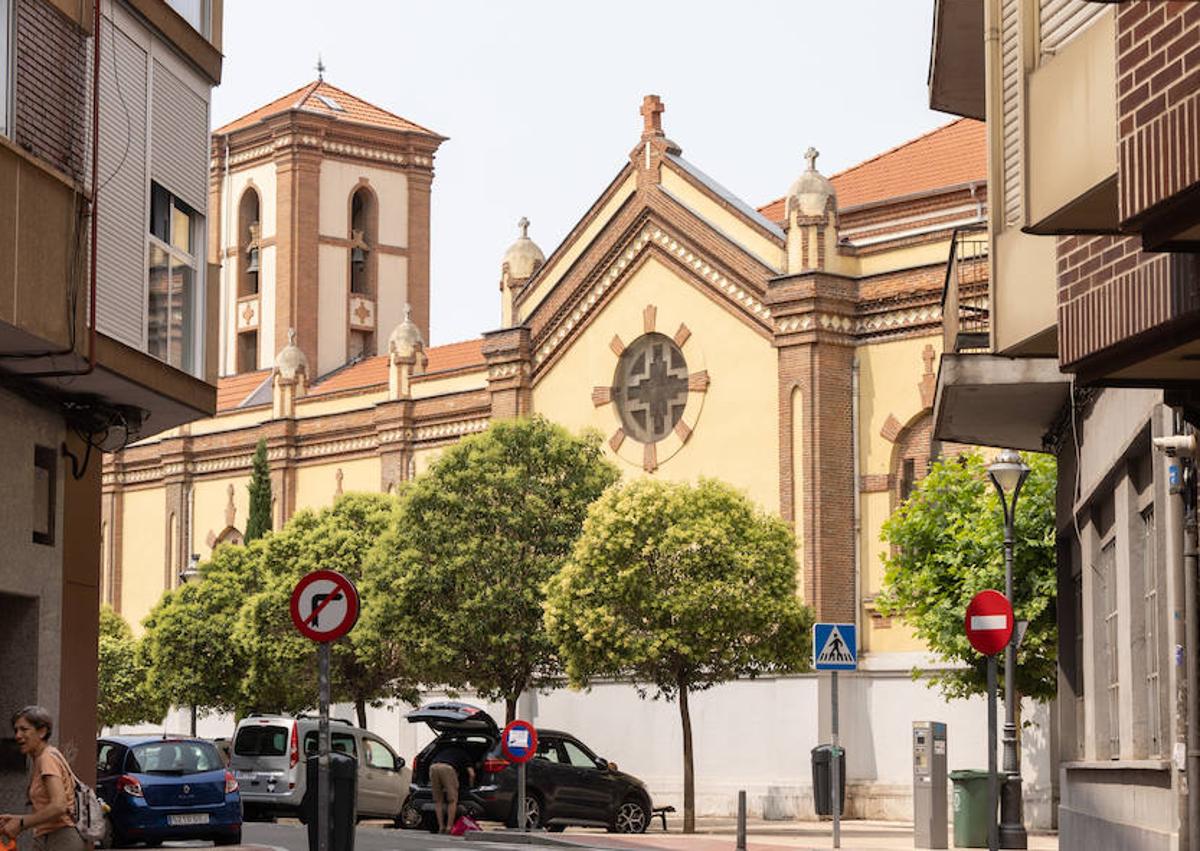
x,y
741,826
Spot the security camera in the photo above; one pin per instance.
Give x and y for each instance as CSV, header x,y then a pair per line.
x,y
1177,445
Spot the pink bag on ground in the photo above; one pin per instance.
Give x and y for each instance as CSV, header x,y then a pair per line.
x,y
465,824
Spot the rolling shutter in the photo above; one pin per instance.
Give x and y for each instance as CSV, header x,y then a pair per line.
x,y
179,139
1060,20
1013,83
121,209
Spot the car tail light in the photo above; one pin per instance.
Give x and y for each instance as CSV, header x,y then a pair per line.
x,y
130,786
416,766
294,757
494,765
231,784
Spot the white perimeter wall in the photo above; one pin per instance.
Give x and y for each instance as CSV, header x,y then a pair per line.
x,y
757,735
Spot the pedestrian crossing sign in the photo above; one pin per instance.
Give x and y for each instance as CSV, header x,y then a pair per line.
x,y
835,647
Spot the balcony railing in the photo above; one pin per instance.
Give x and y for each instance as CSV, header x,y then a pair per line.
x,y
966,315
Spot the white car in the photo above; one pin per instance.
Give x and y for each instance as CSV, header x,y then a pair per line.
x,y
268,759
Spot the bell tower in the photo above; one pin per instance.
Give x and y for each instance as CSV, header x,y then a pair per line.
x,y
322,203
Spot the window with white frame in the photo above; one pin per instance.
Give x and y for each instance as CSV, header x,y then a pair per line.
x,y
6,55
173,280
195,12
1108,575
1151,600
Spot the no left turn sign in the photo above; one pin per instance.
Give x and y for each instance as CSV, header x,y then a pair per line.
x,y
324,605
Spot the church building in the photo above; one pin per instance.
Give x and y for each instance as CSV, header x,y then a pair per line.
x,y
788,349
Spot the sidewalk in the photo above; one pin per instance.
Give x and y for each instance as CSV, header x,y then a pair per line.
x,y
720,834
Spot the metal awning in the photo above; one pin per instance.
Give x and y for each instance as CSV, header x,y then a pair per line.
x,y
986,400
956,66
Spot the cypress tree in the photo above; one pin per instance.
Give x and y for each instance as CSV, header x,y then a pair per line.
x,y
259,521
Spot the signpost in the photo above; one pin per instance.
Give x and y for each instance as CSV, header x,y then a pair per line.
x,y
324,607
519,741
989,625
835,648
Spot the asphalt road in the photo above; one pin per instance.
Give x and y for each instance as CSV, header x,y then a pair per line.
x,y
294,837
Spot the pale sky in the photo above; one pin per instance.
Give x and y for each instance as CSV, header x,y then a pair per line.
x,y
540,100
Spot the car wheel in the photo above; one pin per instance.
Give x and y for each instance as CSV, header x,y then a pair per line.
x,y
533,811
429,822
228,838
632,817
410,816
556,828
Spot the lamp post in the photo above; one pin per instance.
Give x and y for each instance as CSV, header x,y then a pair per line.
x,y
185,576
1008,472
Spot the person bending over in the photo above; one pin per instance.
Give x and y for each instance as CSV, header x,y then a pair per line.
x,y
451,767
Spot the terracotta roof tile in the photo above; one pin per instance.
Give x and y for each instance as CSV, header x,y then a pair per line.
x,y
372,372
947,156
232,390
318,97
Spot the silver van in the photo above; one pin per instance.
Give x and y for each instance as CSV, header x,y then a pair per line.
x,y
268,761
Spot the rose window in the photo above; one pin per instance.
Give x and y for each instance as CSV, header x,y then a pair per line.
x,y
650,387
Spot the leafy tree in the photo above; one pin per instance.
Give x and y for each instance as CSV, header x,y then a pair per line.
x,y
456,584
258,522
947,544
680,588
124,697
191,658
281,672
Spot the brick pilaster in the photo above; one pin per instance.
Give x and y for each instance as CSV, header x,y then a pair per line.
x,y
298,174
420,184
508,357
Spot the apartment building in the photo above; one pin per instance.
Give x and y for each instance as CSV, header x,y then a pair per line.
x,y
1088,346
107,324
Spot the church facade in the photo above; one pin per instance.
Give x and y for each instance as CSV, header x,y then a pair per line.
x,y
787,349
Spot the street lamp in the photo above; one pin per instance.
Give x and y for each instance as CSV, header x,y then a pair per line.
x,y
186,575
1008,472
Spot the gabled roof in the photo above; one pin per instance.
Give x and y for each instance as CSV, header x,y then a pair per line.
x,y
948,156
233,390
322,98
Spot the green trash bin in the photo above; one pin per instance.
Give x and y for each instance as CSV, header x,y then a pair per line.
x,y
970,808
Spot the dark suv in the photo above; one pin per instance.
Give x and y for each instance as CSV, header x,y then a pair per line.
x,y
566,783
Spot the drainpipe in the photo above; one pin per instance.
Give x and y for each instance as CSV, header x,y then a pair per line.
x,y
857,500
1191,664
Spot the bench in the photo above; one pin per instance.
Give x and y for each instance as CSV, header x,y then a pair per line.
x,y
661,812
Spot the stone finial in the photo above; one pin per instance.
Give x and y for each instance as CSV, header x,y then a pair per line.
x,y
811,155
652,110
320,68
523,224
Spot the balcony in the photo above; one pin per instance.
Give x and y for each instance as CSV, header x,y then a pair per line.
x,y
966,315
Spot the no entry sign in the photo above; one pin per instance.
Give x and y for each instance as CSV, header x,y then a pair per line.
x,y
989,622
324,605
519,741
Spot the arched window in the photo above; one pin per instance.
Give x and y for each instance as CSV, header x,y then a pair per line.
x,y
249,258
364,228
248,252
911,457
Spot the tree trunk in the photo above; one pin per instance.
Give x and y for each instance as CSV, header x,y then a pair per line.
x,y
689,777
360,708
510,708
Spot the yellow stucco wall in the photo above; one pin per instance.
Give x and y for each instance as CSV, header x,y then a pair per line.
x,y
316,484
449,384
338,181
889,386
316,406
736,435
210,498
392,296
551,275
143,533
734,228
423,458
331,323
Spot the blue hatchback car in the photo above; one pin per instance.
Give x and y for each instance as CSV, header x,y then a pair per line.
x,y
164,787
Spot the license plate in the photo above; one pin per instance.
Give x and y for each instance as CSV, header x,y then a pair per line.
x,y
246,775
178,819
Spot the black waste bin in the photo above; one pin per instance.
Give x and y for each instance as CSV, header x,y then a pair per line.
x,y
343,804
822,775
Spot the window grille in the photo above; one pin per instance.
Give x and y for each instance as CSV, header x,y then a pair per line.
x,y
1154,726
1108,574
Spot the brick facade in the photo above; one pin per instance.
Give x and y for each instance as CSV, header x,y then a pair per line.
x,y
51,79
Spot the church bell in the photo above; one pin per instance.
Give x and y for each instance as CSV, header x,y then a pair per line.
x,y
252,264
358,256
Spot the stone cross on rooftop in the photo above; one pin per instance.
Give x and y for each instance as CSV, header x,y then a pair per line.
x,y
652,110
811,155
524,226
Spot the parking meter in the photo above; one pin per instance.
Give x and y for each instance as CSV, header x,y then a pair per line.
x,y
929,784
